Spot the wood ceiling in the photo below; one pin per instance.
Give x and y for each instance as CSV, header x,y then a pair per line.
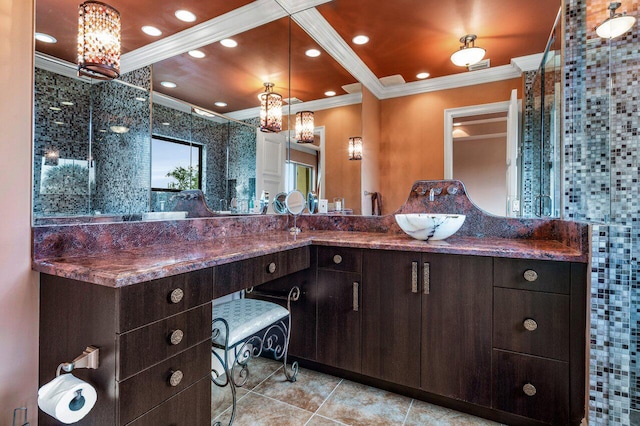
x,y
406,37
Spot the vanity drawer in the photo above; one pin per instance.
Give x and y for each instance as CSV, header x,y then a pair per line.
x,y
190,407
531,322
151,387
236,276
536,275
340,259
140,304
145,346
531,386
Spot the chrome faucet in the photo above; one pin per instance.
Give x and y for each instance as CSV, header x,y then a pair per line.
x,y
433,192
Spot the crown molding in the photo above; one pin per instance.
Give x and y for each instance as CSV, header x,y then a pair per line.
x,y
58,66
528,63
295,6
314,24
245,18
317,105
504,72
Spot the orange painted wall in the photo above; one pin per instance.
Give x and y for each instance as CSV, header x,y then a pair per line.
x,y
342,176
370,174
19,285
412,135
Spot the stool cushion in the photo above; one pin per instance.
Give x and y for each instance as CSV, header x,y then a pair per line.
x,y
245,317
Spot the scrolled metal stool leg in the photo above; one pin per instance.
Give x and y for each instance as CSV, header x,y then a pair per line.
x,y
225,365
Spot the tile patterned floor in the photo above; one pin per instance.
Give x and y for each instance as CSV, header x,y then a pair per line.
x,y
317,399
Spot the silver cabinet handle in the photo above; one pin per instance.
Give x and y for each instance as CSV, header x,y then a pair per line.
x,y
176,296
530,275
414,277
176,337
529,389
530,324
175,378
271,268
426,277
337,259
356,296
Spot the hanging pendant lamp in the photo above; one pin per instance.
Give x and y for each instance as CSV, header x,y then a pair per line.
x,y
469,53
304,127
98,41
270,110
355,148
616,24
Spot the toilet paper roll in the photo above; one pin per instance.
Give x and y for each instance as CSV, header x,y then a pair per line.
x,y
67,398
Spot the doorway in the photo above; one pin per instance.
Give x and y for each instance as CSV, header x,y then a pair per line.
x,y
481,148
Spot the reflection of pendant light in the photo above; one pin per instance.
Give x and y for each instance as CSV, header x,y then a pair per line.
x,y
468,54
51,157
355,148
616,24
304,127
270,110
98,41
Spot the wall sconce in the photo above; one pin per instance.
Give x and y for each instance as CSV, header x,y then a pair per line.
x,y
355,148
270,110
98,41
51,157
468,54
304,127
616,24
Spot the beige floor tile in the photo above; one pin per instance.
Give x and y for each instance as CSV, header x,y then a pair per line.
x,y
257,410
423,413
259,370
358,405
308,391
317,420
221,399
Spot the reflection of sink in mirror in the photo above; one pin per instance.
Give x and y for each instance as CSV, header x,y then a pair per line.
x,y
164,215
427,226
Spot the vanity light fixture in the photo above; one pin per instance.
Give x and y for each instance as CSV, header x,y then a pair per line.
x,y
469,53
355,148
304,127
616,24
270,109
98,41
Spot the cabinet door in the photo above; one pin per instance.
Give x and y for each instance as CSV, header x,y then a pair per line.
x,y
338,332
456,327
391,316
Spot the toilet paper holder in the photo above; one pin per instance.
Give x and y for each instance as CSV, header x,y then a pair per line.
x,y
90,358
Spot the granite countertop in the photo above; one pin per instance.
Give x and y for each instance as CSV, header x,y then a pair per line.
x,y
130,266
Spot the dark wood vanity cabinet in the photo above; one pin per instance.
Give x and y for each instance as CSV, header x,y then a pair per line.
x,y
154,340
427,322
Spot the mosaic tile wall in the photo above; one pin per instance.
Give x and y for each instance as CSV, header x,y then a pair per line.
x,y
242,159
61,117
601,185
530,154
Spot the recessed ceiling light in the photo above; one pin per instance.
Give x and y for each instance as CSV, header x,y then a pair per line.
x,y
119,129
141,99
330,93
102,131
228,42
185,15
152,31
423,75
361,39
166,124
60,123
67,103
312,53
45,38
168,84
197,54
52,108
220,104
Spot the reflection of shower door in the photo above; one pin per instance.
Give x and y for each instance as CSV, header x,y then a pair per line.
x,y
271,150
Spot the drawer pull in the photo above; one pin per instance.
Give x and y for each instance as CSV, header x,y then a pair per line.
x,y
426,277
271,268
337,259
176,337
530,324
356,296
530,275
414,277
176,296
529,389
175,378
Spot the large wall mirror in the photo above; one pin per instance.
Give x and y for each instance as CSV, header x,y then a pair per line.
x,y
122,149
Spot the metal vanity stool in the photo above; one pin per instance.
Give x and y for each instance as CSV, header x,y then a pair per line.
x,y
242,329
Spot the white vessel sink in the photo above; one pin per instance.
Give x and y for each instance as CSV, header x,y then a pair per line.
x,y
430,226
